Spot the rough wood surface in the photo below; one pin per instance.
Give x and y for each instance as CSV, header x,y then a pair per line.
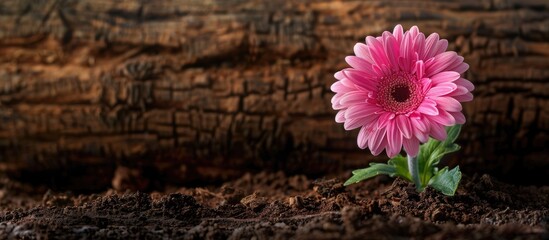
x,y
192,90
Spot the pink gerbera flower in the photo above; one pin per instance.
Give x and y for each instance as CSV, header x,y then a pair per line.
x,y
401,89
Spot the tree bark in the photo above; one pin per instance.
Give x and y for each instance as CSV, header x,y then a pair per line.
x,y
195,91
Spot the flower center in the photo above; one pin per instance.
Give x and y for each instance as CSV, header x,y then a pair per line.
x,y
399,93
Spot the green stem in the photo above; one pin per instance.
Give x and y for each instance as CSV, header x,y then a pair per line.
x,y
413,168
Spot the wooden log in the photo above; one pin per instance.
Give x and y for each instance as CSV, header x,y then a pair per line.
x,y
184,91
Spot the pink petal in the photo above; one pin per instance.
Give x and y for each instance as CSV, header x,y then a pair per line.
x,y
420,69
441,89
426,84
421,136
456,63
405,64
353,123
398,32
460,90
337,106
392,50
419,45
440,63
382,145
394,139
447,76
448,103
406,46
359,63
348,83
362,139
371,100
338,87
376,140
385,35
461,68
377,70
413,32
335,102
411,146
361,51
460,118
406,53
440,47
382,70
418,123
352,98
443,118
377,53
429,61
337,97
438,132
361,110
361,79
428,107
465,83
464,98
430,46
384,119
340,117
339,75
404,125
392,152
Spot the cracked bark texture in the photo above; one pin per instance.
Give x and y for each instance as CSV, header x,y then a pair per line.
x,y
159,92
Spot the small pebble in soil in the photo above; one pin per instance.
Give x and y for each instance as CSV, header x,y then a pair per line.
x,y
254,202
295,202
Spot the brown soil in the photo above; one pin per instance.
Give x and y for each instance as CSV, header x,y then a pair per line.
x,y
272,205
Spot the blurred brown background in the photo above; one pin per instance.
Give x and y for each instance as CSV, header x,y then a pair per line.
x,y
140,94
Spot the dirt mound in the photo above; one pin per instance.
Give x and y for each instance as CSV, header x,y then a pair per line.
x,y
275,206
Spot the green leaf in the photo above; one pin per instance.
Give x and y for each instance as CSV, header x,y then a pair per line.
x,y
439,152
401,166
397,166
453,133
432,152
370,172
446,181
